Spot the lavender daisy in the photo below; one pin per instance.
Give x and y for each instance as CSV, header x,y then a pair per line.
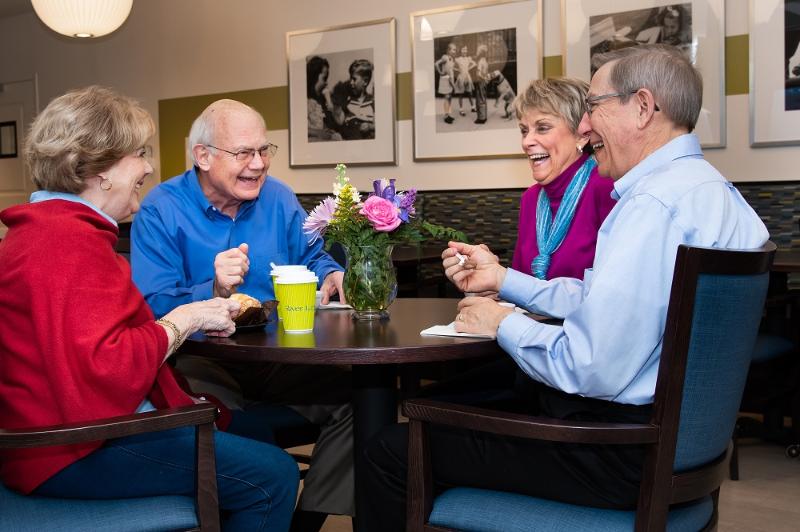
x,y
317,221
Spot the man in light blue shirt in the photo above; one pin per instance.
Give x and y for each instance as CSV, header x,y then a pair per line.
x,y
668,194
215,230
601,365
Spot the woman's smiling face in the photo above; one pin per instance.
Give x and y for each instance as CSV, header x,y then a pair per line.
x,y
549,143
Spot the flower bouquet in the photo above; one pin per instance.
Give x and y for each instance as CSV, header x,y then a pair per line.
x,y
368,230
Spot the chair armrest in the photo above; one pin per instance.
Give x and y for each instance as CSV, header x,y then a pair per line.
x,y
532,427
200,415
103,429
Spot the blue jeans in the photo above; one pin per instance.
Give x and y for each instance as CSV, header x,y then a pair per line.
x,y
257,482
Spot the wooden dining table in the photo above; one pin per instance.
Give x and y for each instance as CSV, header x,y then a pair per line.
x,y
373,349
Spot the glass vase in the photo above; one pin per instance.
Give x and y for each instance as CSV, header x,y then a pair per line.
x,y
370,283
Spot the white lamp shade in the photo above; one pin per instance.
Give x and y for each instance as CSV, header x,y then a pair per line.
x,y
83,18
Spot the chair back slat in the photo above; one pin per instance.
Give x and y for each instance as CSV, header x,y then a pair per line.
x,y
727,311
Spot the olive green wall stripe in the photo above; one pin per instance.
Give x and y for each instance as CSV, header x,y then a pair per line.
x,y
737,61
405,91
175,115
552,66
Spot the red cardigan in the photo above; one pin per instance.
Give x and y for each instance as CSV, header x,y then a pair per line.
x,y
77,340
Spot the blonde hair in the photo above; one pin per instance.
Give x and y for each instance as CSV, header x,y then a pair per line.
x,y
81,134
563,97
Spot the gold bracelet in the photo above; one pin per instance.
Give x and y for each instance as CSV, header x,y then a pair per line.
x,y
177,332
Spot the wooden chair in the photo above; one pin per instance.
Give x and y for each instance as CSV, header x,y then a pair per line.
x,y
714,311
23,513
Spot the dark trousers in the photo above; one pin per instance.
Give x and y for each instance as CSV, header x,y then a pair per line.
x,y
605,476
321,394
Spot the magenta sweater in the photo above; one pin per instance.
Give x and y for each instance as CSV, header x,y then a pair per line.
x,y
576,252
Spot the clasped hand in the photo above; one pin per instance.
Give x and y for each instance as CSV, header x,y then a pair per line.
x,y
230,267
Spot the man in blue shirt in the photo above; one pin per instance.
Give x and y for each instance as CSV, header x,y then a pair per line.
x,y
602,364
215,230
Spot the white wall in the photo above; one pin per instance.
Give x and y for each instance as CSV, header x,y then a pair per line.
x,y
175,48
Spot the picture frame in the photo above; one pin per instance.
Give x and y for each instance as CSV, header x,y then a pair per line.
x,y
695,26
774,73
332,120
463,106
8,140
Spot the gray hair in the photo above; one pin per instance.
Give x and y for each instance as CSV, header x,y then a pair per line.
x,y
562,97
203,128
665,71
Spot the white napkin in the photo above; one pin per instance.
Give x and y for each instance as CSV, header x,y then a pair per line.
x,y
333,305
450,330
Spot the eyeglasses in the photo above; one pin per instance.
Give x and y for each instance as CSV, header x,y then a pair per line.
x,y
246,155
593,101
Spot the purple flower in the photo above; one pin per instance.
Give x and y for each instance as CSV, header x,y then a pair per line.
x,y
384,188
317,222
405,203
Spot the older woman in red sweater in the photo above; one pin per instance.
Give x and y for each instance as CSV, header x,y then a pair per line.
x,y
78,342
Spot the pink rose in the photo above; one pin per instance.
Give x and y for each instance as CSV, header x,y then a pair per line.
x,y
381,213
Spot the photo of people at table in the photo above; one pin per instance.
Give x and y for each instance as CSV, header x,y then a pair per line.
x,y
791,22
666,25
475,80
341,96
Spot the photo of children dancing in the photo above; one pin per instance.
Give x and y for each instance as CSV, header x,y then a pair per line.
x,y
470,70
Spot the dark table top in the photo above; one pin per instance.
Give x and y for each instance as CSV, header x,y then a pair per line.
x,y
786,261
338,339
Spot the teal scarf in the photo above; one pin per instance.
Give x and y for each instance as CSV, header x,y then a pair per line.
x,y
550,233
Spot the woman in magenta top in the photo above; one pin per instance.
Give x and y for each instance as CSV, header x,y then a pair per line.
x,y
549,112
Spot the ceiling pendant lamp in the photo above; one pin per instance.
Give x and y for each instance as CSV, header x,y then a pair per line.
x,y
83,18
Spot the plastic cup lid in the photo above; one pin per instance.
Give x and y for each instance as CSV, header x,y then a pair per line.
x,y
297,277
280,270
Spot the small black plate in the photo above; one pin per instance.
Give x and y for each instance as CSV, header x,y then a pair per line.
x,y
251,328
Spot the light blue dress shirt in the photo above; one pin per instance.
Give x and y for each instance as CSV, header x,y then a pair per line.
x,y
177,234
44,195
610,342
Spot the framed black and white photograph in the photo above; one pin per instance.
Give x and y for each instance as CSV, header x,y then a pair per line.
x,y
469,63
775,73
696,27
342,95
8,140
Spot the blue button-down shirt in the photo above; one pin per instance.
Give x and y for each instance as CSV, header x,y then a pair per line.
x,y
177,234
610,341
